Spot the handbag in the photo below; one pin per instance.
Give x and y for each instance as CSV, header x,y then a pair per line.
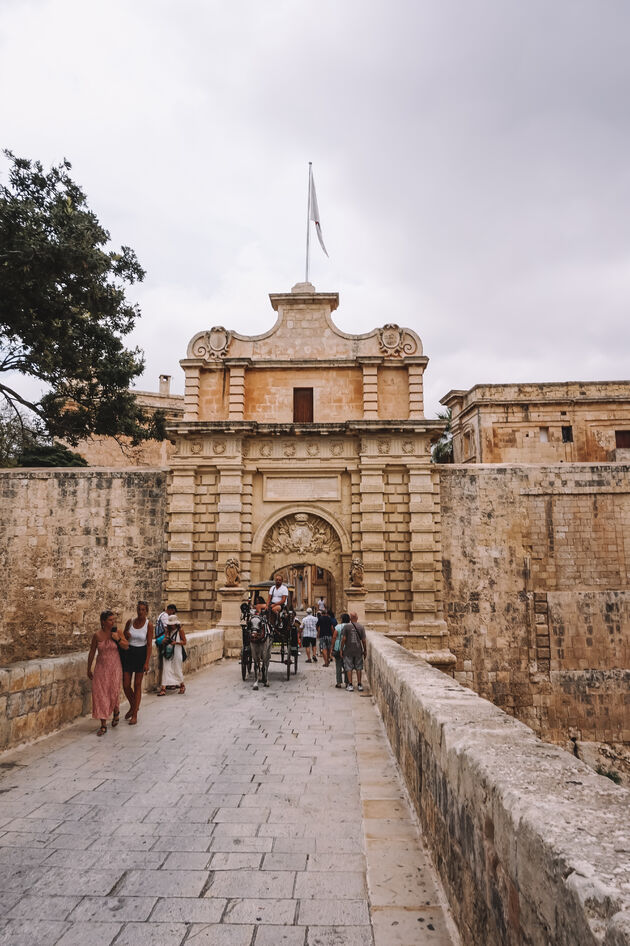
x,y
184,654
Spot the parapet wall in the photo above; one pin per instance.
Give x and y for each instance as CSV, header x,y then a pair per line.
x,y
536,568
74,542
530,843
39,696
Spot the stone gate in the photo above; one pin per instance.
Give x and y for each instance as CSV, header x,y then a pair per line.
x,y
308,445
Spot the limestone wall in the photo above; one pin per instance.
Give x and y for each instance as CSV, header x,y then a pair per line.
x,y
39,696
530,843
73,542
536,568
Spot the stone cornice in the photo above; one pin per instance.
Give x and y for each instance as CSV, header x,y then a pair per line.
x,y
349,427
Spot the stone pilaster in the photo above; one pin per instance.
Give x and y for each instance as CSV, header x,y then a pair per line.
x,y
191,394
416,397
236,405
230,621
355,601
370,391
246,528
229,512
373,544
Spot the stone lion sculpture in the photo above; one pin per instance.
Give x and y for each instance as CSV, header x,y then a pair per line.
x,y
356,573
232,572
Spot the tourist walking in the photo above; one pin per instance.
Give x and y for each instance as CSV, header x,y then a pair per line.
x,y
107,674
135,660
173,653
353,649
309,636
325,629
336,650
160,631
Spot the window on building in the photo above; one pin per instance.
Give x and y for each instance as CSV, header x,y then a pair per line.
x,y
302,405
622,439
544,434
567,434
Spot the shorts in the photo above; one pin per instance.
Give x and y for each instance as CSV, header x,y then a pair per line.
x,y
133,659
352,662
325,642
309,641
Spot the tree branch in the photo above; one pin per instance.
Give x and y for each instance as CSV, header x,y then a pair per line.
x,y
12,395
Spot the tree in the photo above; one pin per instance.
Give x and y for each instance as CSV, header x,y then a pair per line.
x,y
55,454
443,450
63,309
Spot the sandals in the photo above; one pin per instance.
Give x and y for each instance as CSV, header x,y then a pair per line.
x,y
161,691
129,714
182,688
102,731
115,719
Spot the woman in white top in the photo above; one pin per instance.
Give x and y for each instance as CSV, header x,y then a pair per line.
x,y
135,660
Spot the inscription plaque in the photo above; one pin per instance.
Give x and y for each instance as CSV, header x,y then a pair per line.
x,y
301,487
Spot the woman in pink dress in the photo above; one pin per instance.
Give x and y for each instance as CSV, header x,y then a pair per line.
x,y
107,675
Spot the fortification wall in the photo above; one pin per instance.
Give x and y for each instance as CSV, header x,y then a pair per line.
x,y
530,843
536,567
76,541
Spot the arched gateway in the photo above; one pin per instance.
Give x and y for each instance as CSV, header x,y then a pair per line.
x,y
306,449
301,544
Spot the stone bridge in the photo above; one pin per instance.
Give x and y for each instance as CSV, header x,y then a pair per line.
x,y
281,817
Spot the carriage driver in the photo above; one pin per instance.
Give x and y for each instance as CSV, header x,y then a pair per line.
x,y
278,595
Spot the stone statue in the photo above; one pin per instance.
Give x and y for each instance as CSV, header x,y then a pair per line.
x,y
232,572
356,573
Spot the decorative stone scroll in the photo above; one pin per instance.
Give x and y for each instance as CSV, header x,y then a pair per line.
x,y
394,341
212,344
232,573
301,534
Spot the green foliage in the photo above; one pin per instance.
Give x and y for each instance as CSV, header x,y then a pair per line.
x,y
443,450
57,454
63,310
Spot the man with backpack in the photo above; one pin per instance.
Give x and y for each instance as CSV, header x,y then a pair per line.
x,y
353,649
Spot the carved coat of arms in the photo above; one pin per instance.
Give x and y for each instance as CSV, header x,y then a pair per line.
x,y
394,341
212,344
301,534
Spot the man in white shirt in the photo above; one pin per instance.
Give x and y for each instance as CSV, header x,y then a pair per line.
x,y
278,595
309,635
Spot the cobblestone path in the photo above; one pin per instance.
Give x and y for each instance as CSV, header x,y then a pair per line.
x,y
226,817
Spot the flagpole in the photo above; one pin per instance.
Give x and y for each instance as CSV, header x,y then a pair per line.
x,y
308,220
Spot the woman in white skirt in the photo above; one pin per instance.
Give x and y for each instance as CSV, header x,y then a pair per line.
x,y
172,647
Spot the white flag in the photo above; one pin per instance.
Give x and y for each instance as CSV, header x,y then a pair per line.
x,y
314,212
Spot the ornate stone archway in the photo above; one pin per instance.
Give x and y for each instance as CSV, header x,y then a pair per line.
x,y
301,536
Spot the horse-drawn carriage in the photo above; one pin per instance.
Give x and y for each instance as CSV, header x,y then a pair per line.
x,y
267,636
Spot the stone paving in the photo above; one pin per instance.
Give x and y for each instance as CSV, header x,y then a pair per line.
x,y
227,817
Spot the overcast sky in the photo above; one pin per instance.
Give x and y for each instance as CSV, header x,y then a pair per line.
x,y
472,162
